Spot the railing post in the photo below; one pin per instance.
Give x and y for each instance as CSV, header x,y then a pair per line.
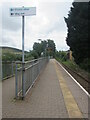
x,y
23,81
12,67
38,67
16,82
32,74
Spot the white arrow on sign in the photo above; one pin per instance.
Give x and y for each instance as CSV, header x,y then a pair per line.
x,y
23,11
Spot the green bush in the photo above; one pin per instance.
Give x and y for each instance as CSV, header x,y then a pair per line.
x,y
11,57
85,64
62,55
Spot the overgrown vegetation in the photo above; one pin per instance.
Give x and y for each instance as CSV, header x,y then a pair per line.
x,y
13,54
63,58
11,57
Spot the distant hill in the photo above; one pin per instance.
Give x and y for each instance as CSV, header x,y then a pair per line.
x,y
11,50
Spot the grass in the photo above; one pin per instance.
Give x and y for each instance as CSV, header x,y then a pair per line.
x,y
72,65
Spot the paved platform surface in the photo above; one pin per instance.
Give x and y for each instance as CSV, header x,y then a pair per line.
x,y
54,95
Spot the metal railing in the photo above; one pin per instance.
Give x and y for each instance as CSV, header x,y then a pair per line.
x,y
8,69
26,75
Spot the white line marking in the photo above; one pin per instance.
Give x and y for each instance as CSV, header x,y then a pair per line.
x,y
73,79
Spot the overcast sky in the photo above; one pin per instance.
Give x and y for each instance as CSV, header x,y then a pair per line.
x,y
47,24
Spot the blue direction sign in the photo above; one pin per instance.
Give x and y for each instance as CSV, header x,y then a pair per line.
x,y
23,11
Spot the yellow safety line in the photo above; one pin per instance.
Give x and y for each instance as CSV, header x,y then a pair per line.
x,y
71,105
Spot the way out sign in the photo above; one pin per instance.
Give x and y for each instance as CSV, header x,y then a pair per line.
x,y
23,11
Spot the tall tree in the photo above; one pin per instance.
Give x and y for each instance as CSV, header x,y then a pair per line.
x,y
77,37
46,46
37,47
51,47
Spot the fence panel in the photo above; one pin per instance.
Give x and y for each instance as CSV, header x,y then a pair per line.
x,y
8,69
26,77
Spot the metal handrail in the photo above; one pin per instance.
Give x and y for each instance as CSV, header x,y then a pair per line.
x,y
26,75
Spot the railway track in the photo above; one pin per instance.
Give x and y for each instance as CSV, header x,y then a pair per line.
x,y
85,83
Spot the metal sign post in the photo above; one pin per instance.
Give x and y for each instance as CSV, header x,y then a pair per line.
x,y
22,11
23,69
22,39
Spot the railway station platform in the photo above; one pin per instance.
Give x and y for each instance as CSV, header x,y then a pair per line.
x,y
54,95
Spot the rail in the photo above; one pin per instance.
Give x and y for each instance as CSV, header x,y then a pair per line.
x,y
26,75
82,81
